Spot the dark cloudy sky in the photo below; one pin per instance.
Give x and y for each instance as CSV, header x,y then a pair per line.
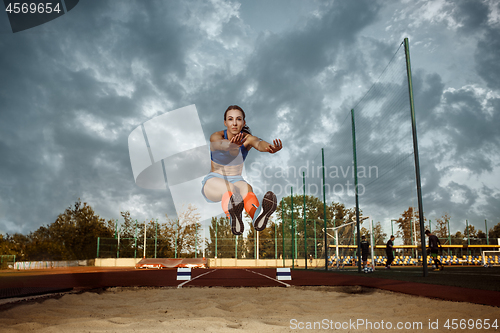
x,y
73,89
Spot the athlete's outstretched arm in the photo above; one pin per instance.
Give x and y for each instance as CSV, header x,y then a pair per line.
x,y
264,146
217,142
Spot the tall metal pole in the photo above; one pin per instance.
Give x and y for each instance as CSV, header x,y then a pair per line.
x,y
156,236
411,235
176,237
98,243
486,227
449,236
324,208
255,244
144,252
372,244
236,247
118,248
417,163
282,233
135,240
257,247
315,241
353,125
196,240
293,230
216,222
467,230
204,245
305,226
275,240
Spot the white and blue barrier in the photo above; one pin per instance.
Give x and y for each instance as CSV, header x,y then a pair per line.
x,y
283,274
183,273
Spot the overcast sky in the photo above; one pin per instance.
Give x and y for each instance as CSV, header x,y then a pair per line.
x,y
74,89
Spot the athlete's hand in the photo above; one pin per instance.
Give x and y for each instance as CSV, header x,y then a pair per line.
x,y
275,147
238,139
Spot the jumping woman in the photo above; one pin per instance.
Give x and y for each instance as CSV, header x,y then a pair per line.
x,y
228,150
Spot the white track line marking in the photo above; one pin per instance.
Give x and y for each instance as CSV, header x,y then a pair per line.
x,y
183,283
286,284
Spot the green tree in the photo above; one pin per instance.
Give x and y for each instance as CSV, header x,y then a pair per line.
x,y
379,236
409,225
189,232
336,214
471,231
72,236
226,247
265,246
495,231
15,244
441,230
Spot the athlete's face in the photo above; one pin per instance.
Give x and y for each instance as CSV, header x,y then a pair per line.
x,y
234,121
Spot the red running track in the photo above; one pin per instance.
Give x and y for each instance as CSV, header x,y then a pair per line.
x,y
18,284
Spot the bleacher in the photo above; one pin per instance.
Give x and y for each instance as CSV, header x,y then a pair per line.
x,y
409,261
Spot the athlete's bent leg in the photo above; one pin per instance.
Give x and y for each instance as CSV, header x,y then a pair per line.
x,y
215,188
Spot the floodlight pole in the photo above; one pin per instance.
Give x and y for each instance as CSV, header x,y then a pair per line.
x,y
356,185
415,153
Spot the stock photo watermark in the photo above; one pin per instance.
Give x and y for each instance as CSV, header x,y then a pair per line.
x,y
342,176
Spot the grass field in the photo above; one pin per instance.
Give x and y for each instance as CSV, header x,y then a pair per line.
x,y
457,276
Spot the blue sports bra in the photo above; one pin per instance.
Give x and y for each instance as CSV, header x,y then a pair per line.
x,y
223,157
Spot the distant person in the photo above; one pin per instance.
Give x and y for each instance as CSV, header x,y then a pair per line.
x,y
389,252
434,249
365,247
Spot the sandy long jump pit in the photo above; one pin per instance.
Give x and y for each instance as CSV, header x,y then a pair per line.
x,y
199,308
219,309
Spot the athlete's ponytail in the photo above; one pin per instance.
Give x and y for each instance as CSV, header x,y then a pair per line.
x,y
245,128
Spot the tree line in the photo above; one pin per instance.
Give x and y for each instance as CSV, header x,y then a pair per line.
x,y
74,235
409,223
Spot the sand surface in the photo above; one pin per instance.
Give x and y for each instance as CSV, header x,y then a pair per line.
x,y
239,309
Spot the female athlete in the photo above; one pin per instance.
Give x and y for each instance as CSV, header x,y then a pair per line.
x,y
228,150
